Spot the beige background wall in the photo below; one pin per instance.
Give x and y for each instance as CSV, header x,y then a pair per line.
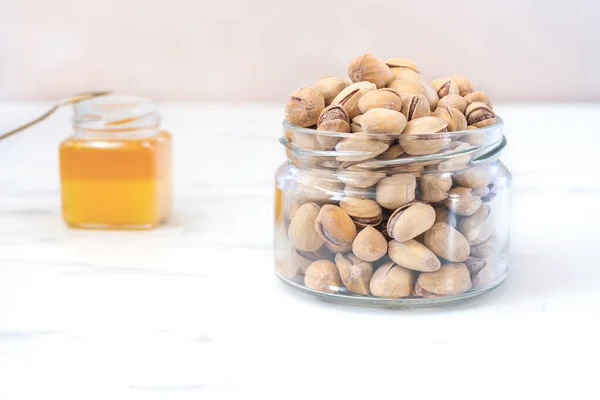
x,y
261,50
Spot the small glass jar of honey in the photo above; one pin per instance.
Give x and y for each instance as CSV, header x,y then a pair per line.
x,y
116,168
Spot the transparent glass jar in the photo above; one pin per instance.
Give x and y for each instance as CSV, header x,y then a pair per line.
x,y
357,220
116,168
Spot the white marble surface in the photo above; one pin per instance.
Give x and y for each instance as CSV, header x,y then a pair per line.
x,y
194,310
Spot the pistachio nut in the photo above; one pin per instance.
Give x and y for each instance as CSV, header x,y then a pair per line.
x,y
392,281
392,153
420,292
305,141
398,62
464,85
350,96
435,187
356,125
368,148
477,228
381,121
442,214
485,277
474,177
481,191
355,273
334,226
333,112
420,137
415,106
338,248
453,101
447,242
360,179
475,265
323,276
371,69
369,245
458,161
405,73
382,98
448,280
303,259
413,255
480,115
328,142
462,201
486,249
478,97
364,212
330,86
445,86
396,190
410,220
301,232
304,107
455,119
408,87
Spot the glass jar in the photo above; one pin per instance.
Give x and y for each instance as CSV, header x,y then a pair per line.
x,y
358,220
116,169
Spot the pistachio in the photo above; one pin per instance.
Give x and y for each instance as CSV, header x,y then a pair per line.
x,y
474,177
410,220
382,227
369,245
382,98
392,281
453,101
338,248
396,190
334,226
331,113
478,227
462,201
327,142
360,179
447,242
486,249
359,193
413,255
323,276
356,125
485,277
445,86
302,260
420,137
481,191
364,212
475,265
442,214
408,87
354,272
330,86
435,187
371,69
304,107
368,148
392,153
350,96
381,121
405,73
415,106
301,232
398,62
478,97
464,85
448,280
420,292
480,115
455,119
456,162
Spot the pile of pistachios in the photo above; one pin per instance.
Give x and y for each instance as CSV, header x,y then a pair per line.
x,y
391,233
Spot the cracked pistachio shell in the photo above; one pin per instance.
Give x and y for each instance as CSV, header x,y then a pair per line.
x,y
445,86
415,145
454,118
369,245
323,276
382,98
334,226
350,96
359,143
480,115
408,87
453,101
442,214
392,153
435,187
354,272
413,255
392,281
330,86
398,62
304,107
360,179
474,177
381,121
301,232
456,162
447,243
364,212
333,112
410,220
396,190
478,97
477,228
371,69
462,201
415,106
356,125
448,280
464,85
475,265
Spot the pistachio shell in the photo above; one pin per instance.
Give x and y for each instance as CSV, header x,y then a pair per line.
x,y
363,212
302,262
464,85
478,227
453,101
405,73
323,276
486,249
413,255
333,112
392,281
334,226
445,86
410,220
462,201
478,114
354,272
412,141
397,62
415,106
435,187
327,142
396,190
478,97
392,153
301,232
371,69
382,98
448,280
335,248
454,118
474,177
408,87
370,148
356,125
359,193
442,214
330,86
447,243
456,162
304,107
475,265
420,292
381,121
350,96
360,179
482,191
369,245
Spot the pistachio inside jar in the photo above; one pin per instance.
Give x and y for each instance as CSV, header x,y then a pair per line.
x,y
398,205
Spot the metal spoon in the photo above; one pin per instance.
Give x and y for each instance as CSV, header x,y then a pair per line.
x,y
76,98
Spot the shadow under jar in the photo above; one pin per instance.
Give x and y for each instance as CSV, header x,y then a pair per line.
x,y
392,220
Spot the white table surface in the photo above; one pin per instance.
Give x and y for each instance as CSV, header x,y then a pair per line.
x,y
194,310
